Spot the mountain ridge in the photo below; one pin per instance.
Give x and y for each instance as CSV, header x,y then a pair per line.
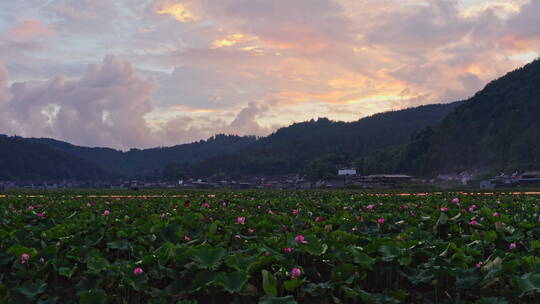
x,y
319,142
494,130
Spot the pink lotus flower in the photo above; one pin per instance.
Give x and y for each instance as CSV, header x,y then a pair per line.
x,y
318,219
205,205
300,239
370,206
473,223
138,271
496,214
40,214
106,212
241,220
405,207
381,220
479,264
472,208
270,211
30,208
294,211
237,237
444,209
455,200
296,272
187,238
24,258
287,250
88,205
512,246
251,230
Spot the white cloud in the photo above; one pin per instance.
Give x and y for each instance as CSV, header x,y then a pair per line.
x,y
106,107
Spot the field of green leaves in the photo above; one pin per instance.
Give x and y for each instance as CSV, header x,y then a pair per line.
x,y
270,247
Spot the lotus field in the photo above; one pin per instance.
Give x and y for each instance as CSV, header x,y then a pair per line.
x,y
270,247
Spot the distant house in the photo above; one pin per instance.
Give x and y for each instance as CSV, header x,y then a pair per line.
x,y
342,172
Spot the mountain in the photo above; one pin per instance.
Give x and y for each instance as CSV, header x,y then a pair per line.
x,y
149,163
313,148
316,147
495,130
22,160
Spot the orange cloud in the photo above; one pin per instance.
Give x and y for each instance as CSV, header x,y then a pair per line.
x,y
504,9
230,40
179,11
516,43
30,29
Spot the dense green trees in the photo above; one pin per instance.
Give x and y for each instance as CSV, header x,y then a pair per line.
x,y
22,160
495,130
150,163
317,147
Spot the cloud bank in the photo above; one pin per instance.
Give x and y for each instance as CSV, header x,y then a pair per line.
x,y
142,73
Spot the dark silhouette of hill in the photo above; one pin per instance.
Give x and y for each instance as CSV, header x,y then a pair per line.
x,y
316,147
313,148
149,163
27,161
495,130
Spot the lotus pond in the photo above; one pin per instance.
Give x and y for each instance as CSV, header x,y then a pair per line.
x,y
270,247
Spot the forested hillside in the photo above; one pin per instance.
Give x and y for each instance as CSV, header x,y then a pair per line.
x,y
22,160
316,147
495,130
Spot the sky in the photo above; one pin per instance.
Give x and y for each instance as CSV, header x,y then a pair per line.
x,y
145,73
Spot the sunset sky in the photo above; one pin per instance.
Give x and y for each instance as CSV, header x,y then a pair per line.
x,y
143,73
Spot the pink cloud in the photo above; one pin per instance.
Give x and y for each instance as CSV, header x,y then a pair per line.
x,y
30,29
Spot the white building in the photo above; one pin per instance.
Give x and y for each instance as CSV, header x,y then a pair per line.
x,y
347,172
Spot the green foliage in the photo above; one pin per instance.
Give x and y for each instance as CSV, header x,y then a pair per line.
x,y
97,296
276,300
208,258
529,282
269,283
140,252
32,289
233,282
